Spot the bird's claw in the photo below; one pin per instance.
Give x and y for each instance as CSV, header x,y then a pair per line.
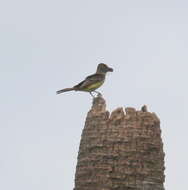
x,y
92,95
98,94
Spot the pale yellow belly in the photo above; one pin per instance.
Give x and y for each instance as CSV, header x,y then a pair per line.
x,y
93,87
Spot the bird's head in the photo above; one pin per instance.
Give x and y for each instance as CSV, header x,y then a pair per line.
x,y
103,68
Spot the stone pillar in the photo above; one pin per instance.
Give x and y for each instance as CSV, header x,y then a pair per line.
x,y
120,151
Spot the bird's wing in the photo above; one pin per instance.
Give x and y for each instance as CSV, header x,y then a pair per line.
x,y
92,79
95,77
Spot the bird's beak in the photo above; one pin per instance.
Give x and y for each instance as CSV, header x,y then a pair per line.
x,y
110,69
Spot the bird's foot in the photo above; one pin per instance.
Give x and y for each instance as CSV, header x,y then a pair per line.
x,y
92,95
98,93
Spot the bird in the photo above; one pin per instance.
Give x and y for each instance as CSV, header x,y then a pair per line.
x,y
92,82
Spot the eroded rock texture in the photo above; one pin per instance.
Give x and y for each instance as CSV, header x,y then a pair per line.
x,y
121,151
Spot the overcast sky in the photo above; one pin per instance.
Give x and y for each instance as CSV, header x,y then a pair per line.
x,y
48,45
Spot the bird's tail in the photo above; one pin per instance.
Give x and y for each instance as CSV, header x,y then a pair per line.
x,y
64,90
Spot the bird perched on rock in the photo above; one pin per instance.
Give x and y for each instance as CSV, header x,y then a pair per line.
x,y
92,82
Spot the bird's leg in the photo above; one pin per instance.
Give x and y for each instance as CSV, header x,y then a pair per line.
x,y
98,93
92,95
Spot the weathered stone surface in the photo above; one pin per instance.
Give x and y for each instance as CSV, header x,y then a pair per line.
x,y
121,151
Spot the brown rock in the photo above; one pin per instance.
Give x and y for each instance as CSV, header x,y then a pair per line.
x,y
123,151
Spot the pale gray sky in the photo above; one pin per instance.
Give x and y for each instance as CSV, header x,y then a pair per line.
x,y
48,45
